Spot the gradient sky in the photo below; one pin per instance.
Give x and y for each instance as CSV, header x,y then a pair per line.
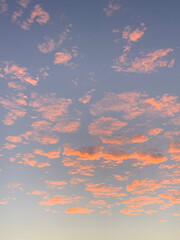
x,y
90,120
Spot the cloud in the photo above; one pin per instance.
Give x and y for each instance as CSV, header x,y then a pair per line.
x,y
129,211
155,131
51,154
47,46
55,184
15,107
3,6
50,106
135,35
62,58
66,126
37,14
14,139
87,97
113,6
146,63
103,191
138,202
36,193
124,139
98,203
77,180
78,210
149,158
174,147
14,71
56,200
16,15
142,186
120,178
24,3
134,104
105,126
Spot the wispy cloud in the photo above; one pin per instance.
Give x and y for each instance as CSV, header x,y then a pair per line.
x,y
112,7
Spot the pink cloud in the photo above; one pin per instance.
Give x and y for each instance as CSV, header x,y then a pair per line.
x,y
36,192
155,131
146,64
16,15
47,46
113,6
62,58
37,14
129,211
134,35
56,200
24,3
105,126
51,154
14,139
87,97
142,186
3,6
56,184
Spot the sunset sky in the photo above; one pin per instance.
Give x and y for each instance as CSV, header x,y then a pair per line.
x,y
90,120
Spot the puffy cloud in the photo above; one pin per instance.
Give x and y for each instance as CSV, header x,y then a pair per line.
x,y
66,126
16,15
101,190
87,97
149,158
62,58
14,71
120,178
24,3
124,139
51,154
155,131
174,147
130,211
134,104
50,106
56,200
47,46
78,210
145,64
134,35
105,126
15,107
137,202
3,6
14,139
77,180
56,184
113,6
37,14
142,186
36,192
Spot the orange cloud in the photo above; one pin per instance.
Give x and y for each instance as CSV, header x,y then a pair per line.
x,y
101,190
56,200
120,178
130,211
51,154
113,6
155,131
137,202
37,14
174,147
105,126
78,210
66,126
148,158
56,184
14,139
142,186
36,192
99,203
123,139
77,180
16,15
41,165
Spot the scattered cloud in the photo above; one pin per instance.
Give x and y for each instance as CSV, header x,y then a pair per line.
x,y
112,7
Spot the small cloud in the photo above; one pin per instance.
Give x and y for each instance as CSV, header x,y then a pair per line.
x,y
78,210
24,3
112,7
62,58
3,6
47,46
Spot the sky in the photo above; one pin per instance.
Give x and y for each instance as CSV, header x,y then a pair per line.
x,y
90,120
